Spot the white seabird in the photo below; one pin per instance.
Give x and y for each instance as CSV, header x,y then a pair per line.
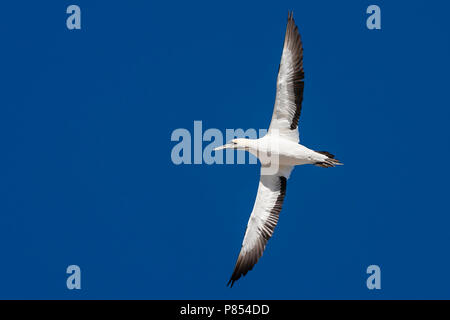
x,y
278,151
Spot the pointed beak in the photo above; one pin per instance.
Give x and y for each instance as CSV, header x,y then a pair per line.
x,y
225,146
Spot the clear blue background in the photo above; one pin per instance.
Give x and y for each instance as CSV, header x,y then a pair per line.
x,y
86,176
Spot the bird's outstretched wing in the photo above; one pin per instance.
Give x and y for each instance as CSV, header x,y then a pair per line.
x,y
288,103
262,222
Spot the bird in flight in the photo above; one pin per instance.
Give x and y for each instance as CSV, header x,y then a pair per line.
x,y
278,151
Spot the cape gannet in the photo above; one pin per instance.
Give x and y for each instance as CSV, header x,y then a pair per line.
x,y
278,151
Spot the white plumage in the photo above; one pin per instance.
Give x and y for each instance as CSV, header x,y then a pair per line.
x,y
278,151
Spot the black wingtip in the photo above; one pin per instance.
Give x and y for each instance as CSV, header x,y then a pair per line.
x,y
290,15
326,153
232,282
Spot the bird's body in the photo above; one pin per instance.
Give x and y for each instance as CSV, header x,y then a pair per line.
x,y
278,151
281,151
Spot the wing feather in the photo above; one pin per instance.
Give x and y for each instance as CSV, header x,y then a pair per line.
x,y
262,222
290,84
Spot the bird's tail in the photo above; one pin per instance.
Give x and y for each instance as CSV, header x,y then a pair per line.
x,y
330,161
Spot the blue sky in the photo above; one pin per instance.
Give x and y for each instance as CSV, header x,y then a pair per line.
x,y
86,175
